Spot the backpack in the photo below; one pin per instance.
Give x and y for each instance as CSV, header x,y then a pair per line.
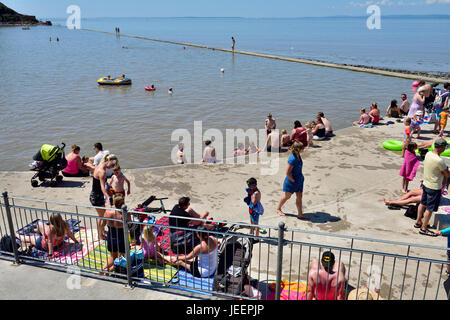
x,y
6,244
411,212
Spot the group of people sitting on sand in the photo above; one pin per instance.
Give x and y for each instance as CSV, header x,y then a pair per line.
x,y
318,129
367,120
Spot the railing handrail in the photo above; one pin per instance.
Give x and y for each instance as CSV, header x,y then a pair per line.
x,y
343,236
414,245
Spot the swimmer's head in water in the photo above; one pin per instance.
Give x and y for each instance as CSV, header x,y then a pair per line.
x,y
328,260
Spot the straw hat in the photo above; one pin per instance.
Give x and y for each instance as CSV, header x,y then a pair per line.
x,y
362,294
422,88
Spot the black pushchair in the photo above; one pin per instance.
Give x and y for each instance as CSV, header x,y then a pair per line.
x,y
49,161
234,256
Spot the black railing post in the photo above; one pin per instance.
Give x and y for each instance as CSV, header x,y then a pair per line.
x,y
11,227
127,244
281,228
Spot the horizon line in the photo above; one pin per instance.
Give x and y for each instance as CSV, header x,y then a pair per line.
x,y
231,17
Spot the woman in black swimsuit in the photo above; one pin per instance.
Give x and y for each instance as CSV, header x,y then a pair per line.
x,y
319,129
98,193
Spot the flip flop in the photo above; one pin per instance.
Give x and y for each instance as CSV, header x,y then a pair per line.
x,y
427,233
420,226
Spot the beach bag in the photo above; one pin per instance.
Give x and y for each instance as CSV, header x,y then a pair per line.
x,y
183,242
411,212
6,244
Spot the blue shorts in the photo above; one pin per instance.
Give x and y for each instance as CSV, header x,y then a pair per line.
x,y
39,244
431,199
290,187
438,112
254,218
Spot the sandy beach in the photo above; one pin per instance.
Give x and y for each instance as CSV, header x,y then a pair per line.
x,y
345,181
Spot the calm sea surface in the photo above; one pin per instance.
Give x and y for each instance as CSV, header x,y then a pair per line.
x,y
49,92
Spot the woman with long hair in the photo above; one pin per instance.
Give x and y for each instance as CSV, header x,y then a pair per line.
x,y
293,183
51,235
202,261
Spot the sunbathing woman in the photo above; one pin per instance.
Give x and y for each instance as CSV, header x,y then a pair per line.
x,y
51,235
202,261
412,197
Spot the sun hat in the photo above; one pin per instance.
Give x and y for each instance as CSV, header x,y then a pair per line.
x,y
328,259
363,294
422,88
440,143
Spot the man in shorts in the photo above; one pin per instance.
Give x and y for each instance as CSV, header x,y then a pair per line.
x,y
434,172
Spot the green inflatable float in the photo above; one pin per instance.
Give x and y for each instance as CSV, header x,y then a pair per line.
x,y
396,145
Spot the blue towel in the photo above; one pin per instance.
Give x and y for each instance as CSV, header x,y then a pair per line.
x,y
186,281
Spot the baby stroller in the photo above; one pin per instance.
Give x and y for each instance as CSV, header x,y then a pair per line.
x,y
49,161
234,256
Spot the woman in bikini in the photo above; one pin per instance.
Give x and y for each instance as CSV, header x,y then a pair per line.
x,y
51,235
99,193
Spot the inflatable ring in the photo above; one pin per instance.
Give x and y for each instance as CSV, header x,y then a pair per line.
x,y
394,145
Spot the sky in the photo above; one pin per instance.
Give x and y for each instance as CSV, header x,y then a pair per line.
x,y
226,8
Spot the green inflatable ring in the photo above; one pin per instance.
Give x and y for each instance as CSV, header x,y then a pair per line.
x,y
394,145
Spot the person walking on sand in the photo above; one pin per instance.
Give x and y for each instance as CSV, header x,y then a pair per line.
x,y
293,183
434,172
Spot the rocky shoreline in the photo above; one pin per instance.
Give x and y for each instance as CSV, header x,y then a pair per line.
x,y
9,17
419,74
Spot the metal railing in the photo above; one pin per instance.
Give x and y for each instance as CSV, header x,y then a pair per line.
x,y
282,263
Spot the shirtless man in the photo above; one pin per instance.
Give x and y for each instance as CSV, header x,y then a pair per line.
x,y
274,145
270,124
404,108
325,278
209,154
327,124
